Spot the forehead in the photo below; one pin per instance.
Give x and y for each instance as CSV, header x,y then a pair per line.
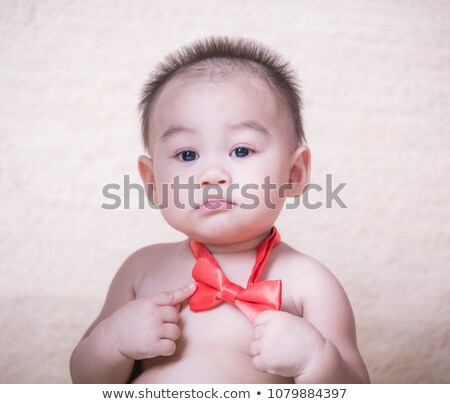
x,y
219,100
231,86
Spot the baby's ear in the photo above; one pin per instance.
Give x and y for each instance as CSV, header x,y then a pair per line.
x,y
300,166
145,166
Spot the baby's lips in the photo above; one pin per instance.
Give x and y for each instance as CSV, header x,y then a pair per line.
x,y
216,204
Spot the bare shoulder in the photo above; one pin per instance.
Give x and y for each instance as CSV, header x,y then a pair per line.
x,y
152,261
298,268
146,266
321,299
313,288
159,267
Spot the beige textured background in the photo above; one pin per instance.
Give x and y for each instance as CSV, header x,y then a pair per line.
x,y
375,78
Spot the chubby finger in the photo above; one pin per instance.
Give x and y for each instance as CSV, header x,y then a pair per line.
x,y
263,317
165,347
258,332
172,297
170,331
258,363
254,349
169,314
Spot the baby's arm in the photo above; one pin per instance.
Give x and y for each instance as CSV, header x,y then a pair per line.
x,y
337,358
126,330
320,346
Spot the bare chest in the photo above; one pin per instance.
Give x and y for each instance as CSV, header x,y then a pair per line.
x,y
214,347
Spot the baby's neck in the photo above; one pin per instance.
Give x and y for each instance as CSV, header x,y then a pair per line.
x,y
241,247
237,260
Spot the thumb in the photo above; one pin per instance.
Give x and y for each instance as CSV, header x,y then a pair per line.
x,y
172,297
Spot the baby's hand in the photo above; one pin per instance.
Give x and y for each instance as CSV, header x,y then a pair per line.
x,y
284,344
147,327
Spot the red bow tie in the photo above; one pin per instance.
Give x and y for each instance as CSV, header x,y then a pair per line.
x,y
213,287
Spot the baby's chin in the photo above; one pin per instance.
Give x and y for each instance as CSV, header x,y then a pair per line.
x,y
226,234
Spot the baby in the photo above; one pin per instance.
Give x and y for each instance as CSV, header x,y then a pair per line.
x,y
221,118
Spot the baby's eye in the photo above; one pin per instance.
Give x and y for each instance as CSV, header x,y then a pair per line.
x,y
241,152
187,155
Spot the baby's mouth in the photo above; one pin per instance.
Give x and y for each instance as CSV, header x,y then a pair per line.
x,y
215,205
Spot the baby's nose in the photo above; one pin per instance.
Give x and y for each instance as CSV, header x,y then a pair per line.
x,y
214,175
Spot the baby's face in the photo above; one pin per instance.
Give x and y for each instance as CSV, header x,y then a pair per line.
x,y
227,141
